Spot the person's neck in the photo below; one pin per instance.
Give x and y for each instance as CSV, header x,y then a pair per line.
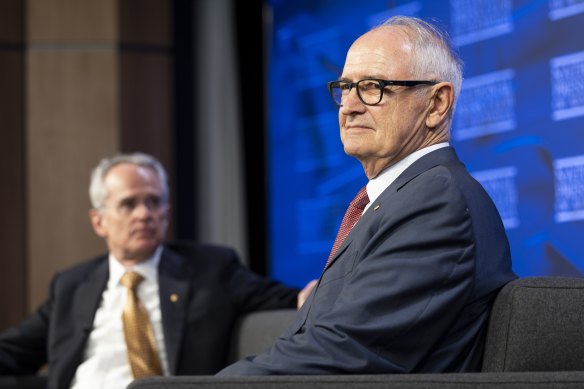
x,y
374,168
129,262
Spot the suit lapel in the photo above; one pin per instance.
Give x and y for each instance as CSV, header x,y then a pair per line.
x,y
428,161
174,291
362,221
87,296
84,303
441,156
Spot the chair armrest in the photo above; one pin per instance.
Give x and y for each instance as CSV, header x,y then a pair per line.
x,y
23,382
256,331
515,380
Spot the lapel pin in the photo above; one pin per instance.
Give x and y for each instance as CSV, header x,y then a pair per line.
x,y
377,207
174,297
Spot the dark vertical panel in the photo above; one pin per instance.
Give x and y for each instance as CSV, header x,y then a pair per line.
x,y
185,67
146,81
146,103
12,166
249,29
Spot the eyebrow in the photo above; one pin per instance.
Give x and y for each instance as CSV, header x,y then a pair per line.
x,y
368,76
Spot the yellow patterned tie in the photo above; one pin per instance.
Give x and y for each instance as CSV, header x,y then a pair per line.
x,y
140,340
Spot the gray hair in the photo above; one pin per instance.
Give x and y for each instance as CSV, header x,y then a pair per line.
x,y
97,190
433,55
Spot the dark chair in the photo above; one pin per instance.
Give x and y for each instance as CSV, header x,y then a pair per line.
x,y
535,339
255,332
537,324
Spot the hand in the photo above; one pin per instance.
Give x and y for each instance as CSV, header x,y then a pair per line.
x,y
304,293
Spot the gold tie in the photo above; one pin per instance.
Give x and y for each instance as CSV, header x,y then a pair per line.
x,y
140,340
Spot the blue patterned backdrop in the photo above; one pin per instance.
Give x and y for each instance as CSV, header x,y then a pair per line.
x,y
519,125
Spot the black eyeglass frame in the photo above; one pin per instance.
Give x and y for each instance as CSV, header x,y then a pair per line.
x,y
385,83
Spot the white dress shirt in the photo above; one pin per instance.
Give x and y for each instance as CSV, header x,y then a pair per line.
x,y
105,362
380,183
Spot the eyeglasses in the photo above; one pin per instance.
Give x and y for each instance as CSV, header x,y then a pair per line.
x,y
127,205
369,90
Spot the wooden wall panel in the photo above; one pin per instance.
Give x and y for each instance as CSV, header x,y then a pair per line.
x,y
79,80
72,21
12,191
99,75
13,286
11,21
150,27
73,121
146,81
147,106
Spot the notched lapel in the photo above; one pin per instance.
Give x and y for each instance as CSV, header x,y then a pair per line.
x,y
364,220
437,157
87,297
84,301
174,290
428,161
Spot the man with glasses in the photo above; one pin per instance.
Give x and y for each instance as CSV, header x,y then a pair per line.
x,y
421,252
99,330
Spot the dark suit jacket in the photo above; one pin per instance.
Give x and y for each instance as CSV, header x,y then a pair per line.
x,y
212,288
411,287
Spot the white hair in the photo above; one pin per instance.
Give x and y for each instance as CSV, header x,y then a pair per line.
x,y
98,192
433,55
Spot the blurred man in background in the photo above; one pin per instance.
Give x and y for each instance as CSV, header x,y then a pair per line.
x,y
144,308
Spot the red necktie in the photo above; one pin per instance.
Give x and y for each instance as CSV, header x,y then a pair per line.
x,y
351,217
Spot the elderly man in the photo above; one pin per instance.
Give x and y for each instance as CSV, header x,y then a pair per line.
x,y
144,308
421,251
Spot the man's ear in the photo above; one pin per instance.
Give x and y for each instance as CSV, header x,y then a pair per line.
x,y
440,105
167,214
96,219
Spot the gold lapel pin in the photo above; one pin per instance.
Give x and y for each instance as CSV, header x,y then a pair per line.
x,y
377,207
174,297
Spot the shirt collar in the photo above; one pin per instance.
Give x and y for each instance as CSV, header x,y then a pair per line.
x,y
147,269
377,185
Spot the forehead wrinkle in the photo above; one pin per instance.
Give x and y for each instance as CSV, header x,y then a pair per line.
x,y
124,180
363,65
380,53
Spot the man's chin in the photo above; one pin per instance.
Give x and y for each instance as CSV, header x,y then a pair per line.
x,y
350,149
143,251
353,150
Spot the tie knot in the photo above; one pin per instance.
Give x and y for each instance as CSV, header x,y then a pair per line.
x,y
361,199
131,279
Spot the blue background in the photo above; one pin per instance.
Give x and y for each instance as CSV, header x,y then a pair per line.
x,y
519,124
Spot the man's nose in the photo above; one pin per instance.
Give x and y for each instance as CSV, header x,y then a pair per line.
x,y
352,102
143,209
